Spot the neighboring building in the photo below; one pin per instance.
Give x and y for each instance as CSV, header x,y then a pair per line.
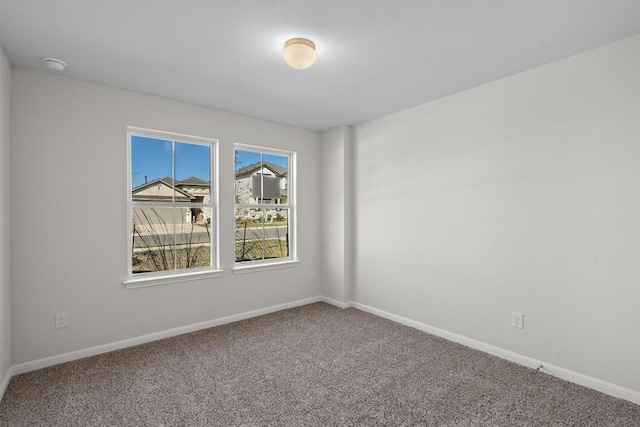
x,y
159,190
191,190
247,186
246,176
196,190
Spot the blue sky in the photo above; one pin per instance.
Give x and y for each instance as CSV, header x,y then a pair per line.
x,y
246,158
152,158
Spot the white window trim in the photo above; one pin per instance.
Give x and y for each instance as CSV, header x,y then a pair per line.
x,y
164,277
144,282
292,259
254,266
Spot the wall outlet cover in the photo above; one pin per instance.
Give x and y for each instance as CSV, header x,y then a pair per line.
x,y
62,320
517,320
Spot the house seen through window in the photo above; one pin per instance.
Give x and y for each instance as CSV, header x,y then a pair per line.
x,y
264,205
172,214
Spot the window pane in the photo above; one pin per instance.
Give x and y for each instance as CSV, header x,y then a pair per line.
x,y
260,178
193,237
244,159
277,233
281,162
247,164
193,172
153,239
150,162
249,236
242,190
261,234
274,173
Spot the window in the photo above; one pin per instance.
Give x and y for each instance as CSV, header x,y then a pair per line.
x,y
264,206
172,209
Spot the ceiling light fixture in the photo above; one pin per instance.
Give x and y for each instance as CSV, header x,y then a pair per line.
x,y
299,53
55,63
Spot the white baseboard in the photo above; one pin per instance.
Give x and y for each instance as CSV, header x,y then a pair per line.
x,y
21,368
5,382
337,303
556,371
565,374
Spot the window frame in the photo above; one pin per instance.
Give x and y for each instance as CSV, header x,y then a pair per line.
x,y
176,275
273,263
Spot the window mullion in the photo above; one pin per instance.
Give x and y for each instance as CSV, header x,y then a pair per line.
x,y
173,196
173,171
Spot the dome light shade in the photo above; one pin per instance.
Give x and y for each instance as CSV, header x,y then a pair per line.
x,y
55,63
299,53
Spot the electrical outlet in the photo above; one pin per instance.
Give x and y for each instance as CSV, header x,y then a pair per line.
x,y
313,277
517,320
62,320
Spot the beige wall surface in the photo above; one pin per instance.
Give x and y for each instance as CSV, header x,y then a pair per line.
x,y
5,212
520,195
70,253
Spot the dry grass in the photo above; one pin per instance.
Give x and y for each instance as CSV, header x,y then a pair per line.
x,y
255,223
199,257
252,249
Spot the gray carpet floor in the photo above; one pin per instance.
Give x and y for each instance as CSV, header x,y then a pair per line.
x,y
315,365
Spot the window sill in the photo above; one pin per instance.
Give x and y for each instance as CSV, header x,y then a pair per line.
x,y
143,282
252,268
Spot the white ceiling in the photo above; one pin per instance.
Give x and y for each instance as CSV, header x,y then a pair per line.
x,y
374,56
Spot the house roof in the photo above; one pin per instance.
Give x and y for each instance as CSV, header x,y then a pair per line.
x,y
165,181
249,170
193,181
188,181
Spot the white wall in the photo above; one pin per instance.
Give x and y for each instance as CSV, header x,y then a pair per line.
x,y
5,226
336,196
519,195
69,246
